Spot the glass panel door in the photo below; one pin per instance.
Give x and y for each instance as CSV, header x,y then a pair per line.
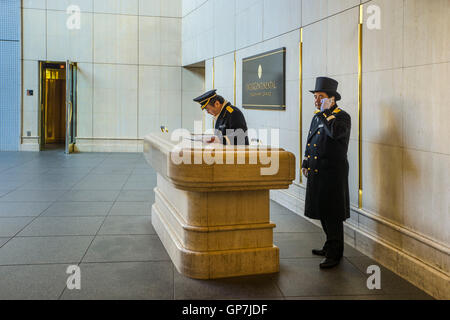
x,y
71,106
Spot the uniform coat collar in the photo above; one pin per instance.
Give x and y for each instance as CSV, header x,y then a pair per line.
x,y
225,103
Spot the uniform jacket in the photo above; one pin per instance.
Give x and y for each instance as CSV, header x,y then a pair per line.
x,y
326,161
231,119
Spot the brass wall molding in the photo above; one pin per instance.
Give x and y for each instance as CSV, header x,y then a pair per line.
x,y
234,80
213,85
360,40
300,102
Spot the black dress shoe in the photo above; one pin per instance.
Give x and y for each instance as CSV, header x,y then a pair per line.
x,y
329,263
318,252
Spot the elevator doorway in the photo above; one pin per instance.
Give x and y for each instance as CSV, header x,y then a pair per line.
x,y
58,106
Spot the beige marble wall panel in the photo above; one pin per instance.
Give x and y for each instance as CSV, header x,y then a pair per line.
x,y
65,44
426,27
34,34
34,4
315,44
334,6
150,40
383,181
382,99
342,42
84,5
85,80
129,7
426,194
115,38
281,16
425,126
383,48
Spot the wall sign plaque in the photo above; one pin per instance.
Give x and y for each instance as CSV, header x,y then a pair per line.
x,y
264,81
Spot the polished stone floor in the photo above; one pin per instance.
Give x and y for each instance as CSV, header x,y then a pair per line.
x,y
93,210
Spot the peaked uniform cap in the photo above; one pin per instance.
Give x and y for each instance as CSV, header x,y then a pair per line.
x,y
205,98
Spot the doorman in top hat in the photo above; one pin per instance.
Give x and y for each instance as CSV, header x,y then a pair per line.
x,y
230,128
326,167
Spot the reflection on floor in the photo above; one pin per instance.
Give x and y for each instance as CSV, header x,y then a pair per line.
x,y
93,210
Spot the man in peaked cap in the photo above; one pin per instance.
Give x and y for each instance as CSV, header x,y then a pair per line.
x,y
230,128
326,167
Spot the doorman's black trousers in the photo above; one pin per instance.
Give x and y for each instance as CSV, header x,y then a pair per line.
x,y
334,230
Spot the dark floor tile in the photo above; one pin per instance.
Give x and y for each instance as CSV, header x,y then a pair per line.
x,y
32,282
292,223
139,185
391,283
136,196
101,182
90,195
131,225
33,195
249,287
126,248
63,226
276,208
5,191
146,169
124,281
118,169
298,245
131,209
10,226
3,241
78,209
303,277
39,250
22,209
62,184
73,170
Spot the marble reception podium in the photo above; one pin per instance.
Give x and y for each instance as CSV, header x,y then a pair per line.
x,y
214,219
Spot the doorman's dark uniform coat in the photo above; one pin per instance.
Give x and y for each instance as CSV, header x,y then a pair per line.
x,y
326,161
231,118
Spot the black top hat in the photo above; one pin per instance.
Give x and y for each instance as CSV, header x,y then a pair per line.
x,y
327,85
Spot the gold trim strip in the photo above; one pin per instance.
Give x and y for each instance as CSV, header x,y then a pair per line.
x,y
266,109
234,80
108,139
300,102
208,98
213,84
264,55
263,105
360,40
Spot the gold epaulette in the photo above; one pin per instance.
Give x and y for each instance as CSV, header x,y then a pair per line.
x,y
230,109
337,110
